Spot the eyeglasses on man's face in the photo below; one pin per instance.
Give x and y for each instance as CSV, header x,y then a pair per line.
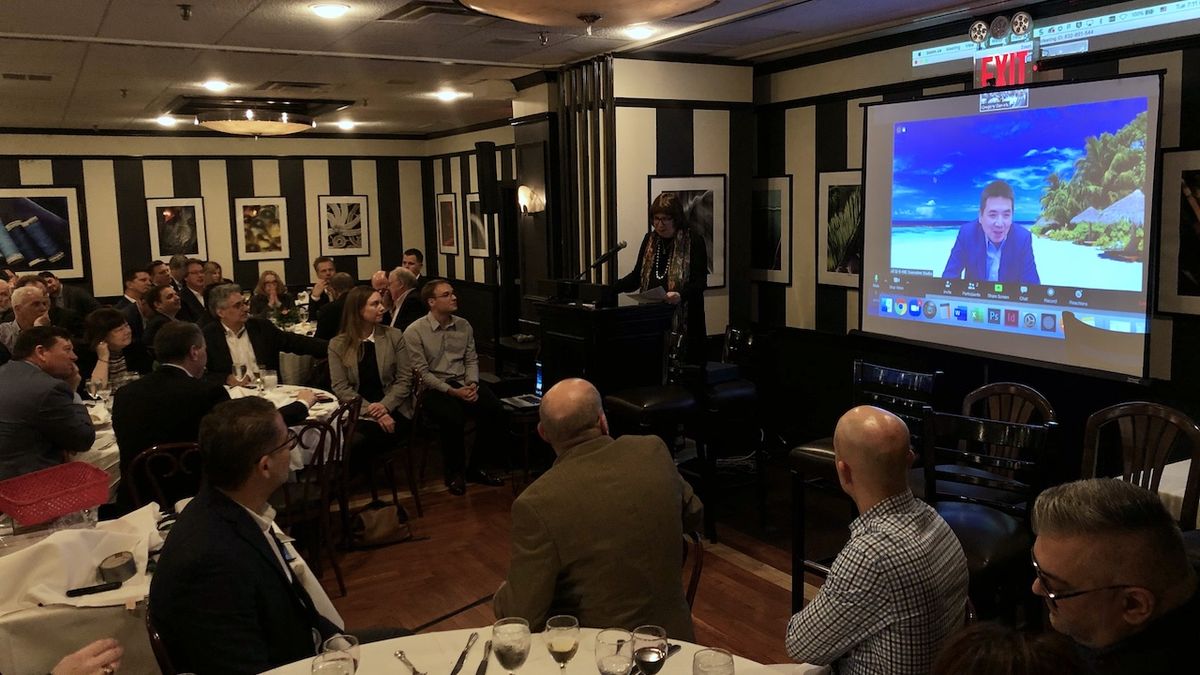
x,y
1052,597
289,442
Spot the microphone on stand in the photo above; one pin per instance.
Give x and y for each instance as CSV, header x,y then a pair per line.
x,y
605,257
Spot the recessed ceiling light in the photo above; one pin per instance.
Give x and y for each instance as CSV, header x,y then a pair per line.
x,y
330,10
640,31
166,121
449,95
216,85
345,124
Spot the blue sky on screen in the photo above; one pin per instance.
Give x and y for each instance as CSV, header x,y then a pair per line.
x,y
941,165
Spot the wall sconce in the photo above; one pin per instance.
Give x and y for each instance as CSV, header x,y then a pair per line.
x,y
530,201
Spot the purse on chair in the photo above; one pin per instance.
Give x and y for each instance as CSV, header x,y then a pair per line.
x,y
380,524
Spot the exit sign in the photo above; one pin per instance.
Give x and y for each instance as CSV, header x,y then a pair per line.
x,y
1004,69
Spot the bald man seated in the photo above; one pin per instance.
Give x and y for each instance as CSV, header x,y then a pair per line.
x,y
899,587
598,535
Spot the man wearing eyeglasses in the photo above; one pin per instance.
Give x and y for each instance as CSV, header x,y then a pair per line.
x,y
240,345
1112,569
441,347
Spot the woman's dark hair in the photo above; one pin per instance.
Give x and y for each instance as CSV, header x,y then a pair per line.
x,y
994,649
100,323
668,204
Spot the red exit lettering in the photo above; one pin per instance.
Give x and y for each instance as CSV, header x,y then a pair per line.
x,y
1002,70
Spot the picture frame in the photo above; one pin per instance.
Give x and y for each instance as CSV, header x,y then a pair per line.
x,y
839,228
447,223
344,225
704,205
1179,243
40,230
771,229
261,225
478,228
177,227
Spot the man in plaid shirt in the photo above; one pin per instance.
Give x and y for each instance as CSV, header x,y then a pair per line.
x,y
899,587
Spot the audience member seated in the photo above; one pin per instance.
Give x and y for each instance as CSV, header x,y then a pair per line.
x,y
1112,569
899,587
178,266
194,305
5,301
379,282
406,298
73,298
598,536
160,273
164,306
108,353
213,276
271,297
329,319
30,306
223,597
245,344
369,360
319,297
167,405
441,347
132,303
59,316
42,419
994,649
414,261
102,656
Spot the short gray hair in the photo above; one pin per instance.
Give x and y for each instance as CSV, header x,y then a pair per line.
x,y
26,293
404,276
219,295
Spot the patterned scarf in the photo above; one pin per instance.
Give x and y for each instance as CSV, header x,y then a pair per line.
x,y
678,265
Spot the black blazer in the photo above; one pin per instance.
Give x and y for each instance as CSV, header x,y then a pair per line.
x,y
190,309
220,599
329,319
410,310
260,308
267,341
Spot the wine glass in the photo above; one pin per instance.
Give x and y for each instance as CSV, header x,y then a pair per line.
x,y
333,663
345,644
712,662
650,648
93,389
614,651
510,642
562,639
240,370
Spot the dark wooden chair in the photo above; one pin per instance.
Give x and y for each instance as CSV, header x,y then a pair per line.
x,y
693,557
161,656
905,393
165,473
1136,440
303,504
991,516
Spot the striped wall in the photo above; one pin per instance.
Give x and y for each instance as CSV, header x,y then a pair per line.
x,y
458,173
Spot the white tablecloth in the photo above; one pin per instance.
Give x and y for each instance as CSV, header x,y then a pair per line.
x,y
1171,487
284,394
295,368
435,654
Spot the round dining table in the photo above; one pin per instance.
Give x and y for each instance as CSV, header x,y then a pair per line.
x,y
436,654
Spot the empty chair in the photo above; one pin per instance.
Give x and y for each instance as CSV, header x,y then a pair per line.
x,y
165,473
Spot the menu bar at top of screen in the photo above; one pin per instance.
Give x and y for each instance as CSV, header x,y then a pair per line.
x,y
1068,31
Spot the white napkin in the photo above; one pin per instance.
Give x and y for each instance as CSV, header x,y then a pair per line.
x,y
42,573
99,414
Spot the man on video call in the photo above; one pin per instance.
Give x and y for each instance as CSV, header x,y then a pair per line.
x,y
991,249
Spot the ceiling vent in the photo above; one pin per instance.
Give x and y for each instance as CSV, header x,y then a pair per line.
x,y
284,85
27,77
426,10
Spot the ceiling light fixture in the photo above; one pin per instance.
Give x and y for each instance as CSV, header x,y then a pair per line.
x,y
570,13
330,10
251,122
449,95
640,31
216,85
166,121
345,124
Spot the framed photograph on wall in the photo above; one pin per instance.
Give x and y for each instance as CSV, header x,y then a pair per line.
x,y
177,227
261,224
477,228
40,230
447,223
771,230
344,225
703,200
1179,243
839,228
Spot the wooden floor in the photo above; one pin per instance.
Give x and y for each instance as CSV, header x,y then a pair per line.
x,y
461,556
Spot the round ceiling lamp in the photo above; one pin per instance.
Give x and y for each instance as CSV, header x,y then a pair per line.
x,y
254,122
571,13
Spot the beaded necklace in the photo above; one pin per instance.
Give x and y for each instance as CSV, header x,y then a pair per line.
x,y
662,257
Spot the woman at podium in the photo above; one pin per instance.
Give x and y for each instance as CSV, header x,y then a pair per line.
x,y
673,257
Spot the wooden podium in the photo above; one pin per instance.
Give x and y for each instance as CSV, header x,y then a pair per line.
x,y
614,348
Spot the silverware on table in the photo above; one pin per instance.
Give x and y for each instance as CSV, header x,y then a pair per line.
x,y
463,656
487,652
399,653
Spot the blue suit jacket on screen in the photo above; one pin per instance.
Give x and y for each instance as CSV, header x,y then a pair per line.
x,y
970,254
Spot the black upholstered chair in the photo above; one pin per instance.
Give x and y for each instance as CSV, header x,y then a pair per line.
x,y
991,519
903,392
659,410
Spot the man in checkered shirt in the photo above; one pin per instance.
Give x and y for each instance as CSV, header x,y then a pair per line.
x,y
899,587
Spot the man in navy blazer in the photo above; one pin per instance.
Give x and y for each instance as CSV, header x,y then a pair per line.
x,y
224,598
991,249
42,419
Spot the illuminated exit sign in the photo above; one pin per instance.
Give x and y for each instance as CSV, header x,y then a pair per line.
x,y
1004,69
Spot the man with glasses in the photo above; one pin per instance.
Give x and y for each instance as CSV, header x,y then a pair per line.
x,y
442,349
225,596
240,345
1112,568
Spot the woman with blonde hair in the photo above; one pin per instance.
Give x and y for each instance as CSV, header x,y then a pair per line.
x,y
271,297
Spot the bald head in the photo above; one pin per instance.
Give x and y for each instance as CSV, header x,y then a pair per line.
x,y
571,413
875,445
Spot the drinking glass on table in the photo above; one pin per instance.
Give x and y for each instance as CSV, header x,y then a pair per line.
x,y
562,639
614,651
333,663
712,662
93,389
240,370
270,379
650,648
344,644
510,642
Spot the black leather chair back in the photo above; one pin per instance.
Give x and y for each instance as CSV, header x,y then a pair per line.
x,y
905,393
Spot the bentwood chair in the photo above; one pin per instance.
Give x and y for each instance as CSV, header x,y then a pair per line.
x,y
303,504
165,473
693,556
161,656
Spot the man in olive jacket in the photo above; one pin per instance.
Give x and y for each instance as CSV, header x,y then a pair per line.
x,y
598,536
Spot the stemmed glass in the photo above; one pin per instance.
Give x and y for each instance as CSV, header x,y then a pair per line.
x,y
712,662
510,642
650,648
562,639
614,651
345,644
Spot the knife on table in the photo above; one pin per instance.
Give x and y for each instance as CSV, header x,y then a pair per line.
x,y
463,656
487,651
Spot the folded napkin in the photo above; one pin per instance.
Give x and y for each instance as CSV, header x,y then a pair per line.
x,y
42,573
99,414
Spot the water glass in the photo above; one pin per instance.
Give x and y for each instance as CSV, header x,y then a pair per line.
x,y
614,651
510,642
270,379
712,662
333,663
344,644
